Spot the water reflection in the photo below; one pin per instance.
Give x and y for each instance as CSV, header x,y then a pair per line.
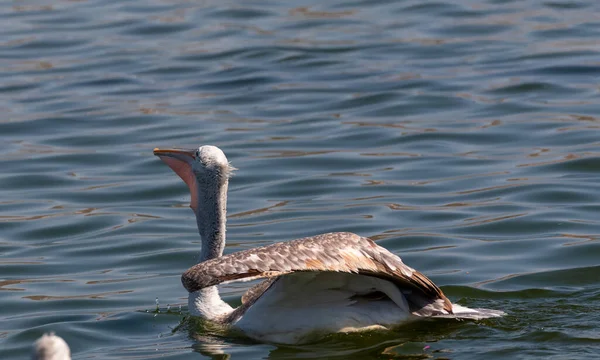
x,y
418,340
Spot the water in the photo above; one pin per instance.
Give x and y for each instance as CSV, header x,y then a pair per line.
x,y
461,135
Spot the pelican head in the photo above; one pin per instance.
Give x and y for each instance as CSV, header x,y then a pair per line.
x,y
202,168
51,347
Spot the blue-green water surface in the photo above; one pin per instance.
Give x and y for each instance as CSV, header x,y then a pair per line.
x,y
461,135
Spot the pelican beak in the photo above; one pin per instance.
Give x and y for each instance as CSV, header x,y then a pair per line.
x,y
181,162
179,154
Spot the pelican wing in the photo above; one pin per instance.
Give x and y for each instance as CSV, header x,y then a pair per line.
x,y
335,252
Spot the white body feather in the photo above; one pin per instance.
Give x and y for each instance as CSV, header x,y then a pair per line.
x,y
302,306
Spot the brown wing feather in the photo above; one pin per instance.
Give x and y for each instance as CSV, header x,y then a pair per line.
x,y
257,290
338,252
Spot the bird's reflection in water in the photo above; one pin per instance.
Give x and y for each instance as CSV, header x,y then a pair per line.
x,y
417,340
211,346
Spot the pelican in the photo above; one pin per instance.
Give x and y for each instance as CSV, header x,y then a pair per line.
x,y
329,283
51,347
